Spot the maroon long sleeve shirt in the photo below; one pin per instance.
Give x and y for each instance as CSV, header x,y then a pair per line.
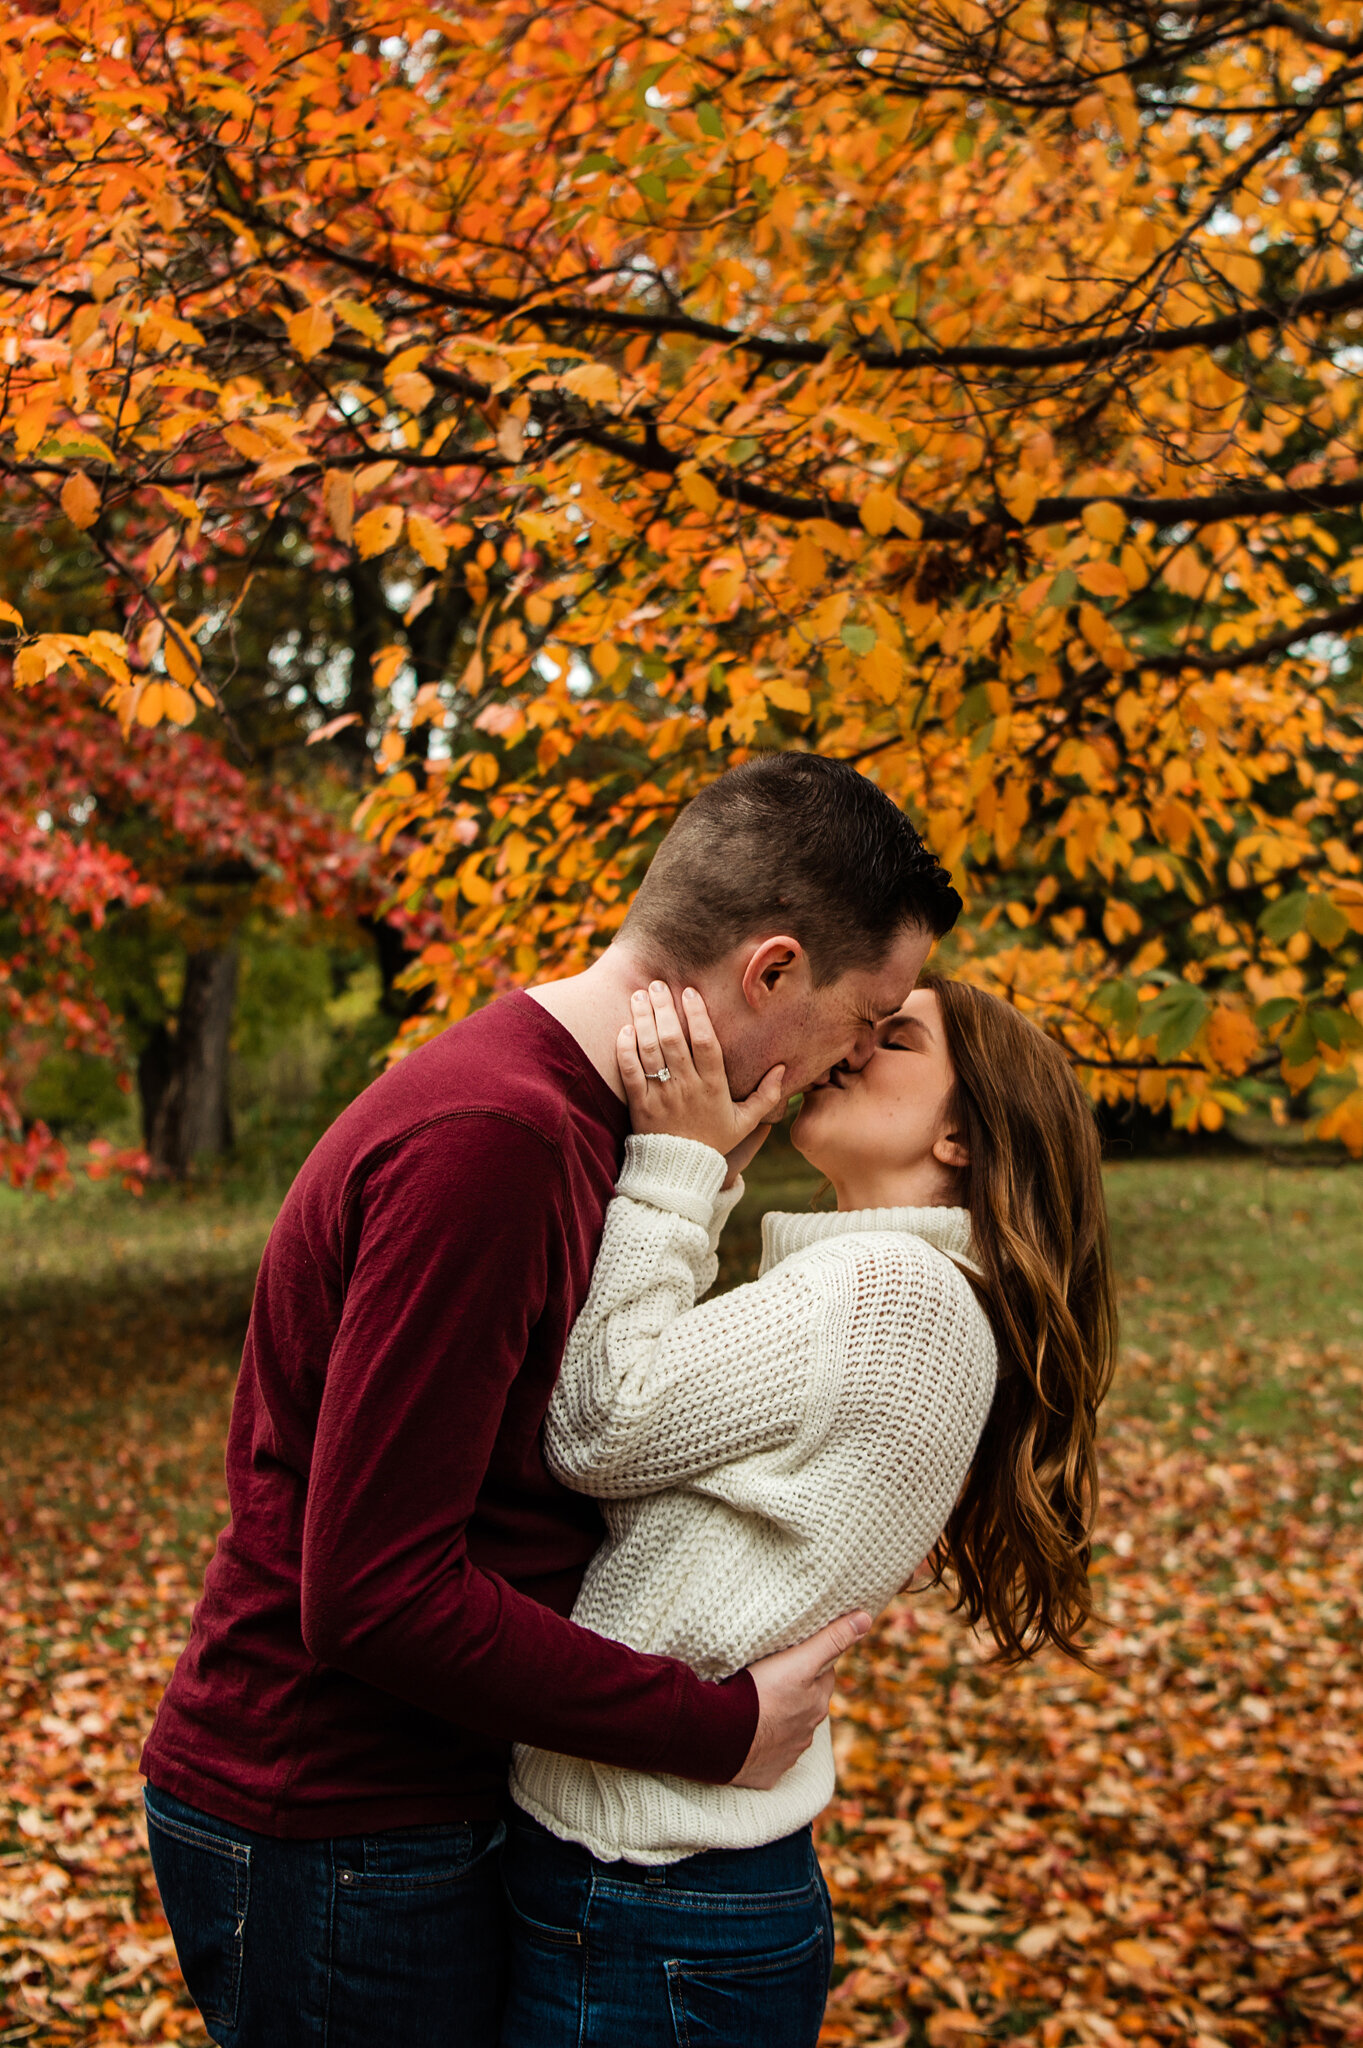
x,y
386,1610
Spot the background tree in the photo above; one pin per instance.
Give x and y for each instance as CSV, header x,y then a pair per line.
x,y
967,391
116,862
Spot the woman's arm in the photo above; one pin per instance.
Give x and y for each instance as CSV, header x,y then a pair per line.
x,y
653,1390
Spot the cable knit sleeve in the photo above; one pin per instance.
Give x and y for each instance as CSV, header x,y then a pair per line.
x,y
646,1395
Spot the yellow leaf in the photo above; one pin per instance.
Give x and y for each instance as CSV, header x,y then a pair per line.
x,y
1103,579
413,392
877,512
1133,567
483,771
338,500
428,540
378,530
1019,494
247,442
698,491
1232,1038
805,564
387,662
84,324
178,704
864,425
511,437
311,331
362,318
785,694
151,704
406,360
30,423
605,659
80,500
181,660
1104,521
178,501
604,511
595,382
883,669
10,616
30,666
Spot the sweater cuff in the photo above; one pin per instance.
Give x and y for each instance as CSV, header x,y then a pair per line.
x,y
677,1174
726,1201
714,1730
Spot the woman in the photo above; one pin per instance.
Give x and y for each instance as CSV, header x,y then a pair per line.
x,y
916,1375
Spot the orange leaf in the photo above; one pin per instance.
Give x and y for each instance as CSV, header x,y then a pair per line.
x,y
428,540
311,331
378,530
80,500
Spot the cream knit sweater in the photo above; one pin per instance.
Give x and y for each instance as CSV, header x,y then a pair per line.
x,y
781,1455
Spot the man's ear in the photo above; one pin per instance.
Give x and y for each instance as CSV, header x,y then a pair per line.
x,y
948,1150
776,960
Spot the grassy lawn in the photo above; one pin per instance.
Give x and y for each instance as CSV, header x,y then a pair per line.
x,y
1157,1849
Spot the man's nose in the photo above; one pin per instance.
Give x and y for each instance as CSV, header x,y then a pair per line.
x,y
860,1054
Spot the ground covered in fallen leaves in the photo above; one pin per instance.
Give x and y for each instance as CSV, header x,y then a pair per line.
x,y
1165,1848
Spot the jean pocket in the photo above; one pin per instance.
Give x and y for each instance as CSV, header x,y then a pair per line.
x,y
771,2000
412,1859
205,1884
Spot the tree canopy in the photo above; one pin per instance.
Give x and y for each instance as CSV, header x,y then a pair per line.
x,y
967,390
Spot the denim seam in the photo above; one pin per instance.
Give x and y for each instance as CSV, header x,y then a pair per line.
x,y
238,1857
748,1903
199,1838
747,1966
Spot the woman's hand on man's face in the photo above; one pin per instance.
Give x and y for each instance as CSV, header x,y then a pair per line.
x,y
694,1101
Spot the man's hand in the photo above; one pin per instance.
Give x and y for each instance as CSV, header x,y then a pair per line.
x,y
793,1691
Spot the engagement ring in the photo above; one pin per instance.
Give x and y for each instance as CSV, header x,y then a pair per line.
x,y
663,1074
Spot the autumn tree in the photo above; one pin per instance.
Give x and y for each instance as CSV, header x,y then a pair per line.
x,y
968,390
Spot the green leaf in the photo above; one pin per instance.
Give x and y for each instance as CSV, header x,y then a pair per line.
x,y
1270,1014
1119,1000
963,146
1353,980
974,710
711,123
597,161
1064,588
861,639
1325,1024
1299,1046
1283,919
1176,1016
1326,922
651,185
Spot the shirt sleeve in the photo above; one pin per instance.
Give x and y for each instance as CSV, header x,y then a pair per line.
x,y
654,1390
459,1231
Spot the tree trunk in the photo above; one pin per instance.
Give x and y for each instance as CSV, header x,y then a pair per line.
x,y
182,1077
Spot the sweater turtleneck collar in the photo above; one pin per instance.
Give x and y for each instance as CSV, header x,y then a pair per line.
x,y
948,1230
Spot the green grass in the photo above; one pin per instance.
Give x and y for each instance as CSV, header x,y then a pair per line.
x,y
1240,1281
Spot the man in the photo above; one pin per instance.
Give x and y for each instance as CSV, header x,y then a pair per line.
x,y
386,1610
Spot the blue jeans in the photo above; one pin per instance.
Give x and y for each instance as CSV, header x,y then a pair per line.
x,y
355,1942
729,1949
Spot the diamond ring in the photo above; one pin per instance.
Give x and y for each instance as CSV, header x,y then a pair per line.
x,y
663,1074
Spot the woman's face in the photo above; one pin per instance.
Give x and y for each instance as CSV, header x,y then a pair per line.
x,y
881,1134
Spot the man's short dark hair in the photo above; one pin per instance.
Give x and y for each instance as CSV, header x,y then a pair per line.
x,y
791,843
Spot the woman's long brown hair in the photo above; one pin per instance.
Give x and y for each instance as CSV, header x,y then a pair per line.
x,y
1019,1539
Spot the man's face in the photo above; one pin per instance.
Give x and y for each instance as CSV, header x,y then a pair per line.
x,y
812,1030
